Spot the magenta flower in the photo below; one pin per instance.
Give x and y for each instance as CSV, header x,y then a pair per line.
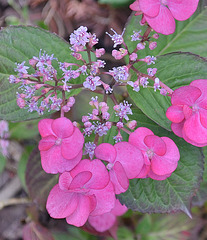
x,y
61,145
188,112
161,155
85,191
161,14
125,162
104,222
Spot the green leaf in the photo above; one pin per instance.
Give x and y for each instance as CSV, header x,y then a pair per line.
x,y
189,36
162,227
38,182
18,44
24,130
173,194
174,70
21,171
201,195
2,162
116,3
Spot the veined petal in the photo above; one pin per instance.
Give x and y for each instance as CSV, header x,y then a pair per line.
x,y
45,128
106,152
150,8
86,205
154,176
62,127
46,143
177,128
61,204
80,180
182,10
130,157
71,146
156,144
175,113
163,23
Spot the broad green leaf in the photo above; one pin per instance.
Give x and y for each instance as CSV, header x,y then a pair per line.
x,y
189,36
174,70
38,182
162,227
18,44
173,194
201,195
116,3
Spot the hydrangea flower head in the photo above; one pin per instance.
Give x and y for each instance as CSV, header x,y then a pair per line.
x,y
125,162
161,155
161,14
85,191
188,112
61,145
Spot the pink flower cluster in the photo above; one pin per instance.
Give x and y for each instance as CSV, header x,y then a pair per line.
x,y
86,188
188,112
161,14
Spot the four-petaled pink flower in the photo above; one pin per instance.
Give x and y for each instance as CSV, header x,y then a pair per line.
x,y
188,112
61,145
125,162
84,191
160,14
161,155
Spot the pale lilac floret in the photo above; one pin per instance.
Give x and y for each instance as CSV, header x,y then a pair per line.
x,y
133,57
157,84
61,145
135,85
152,45
84,191
136,36
151,71
106,221
100,129
124,162
89,149
122,110
120,73
161,154
21,69
160,14
143,81
79,37
188,112
116,38
92,82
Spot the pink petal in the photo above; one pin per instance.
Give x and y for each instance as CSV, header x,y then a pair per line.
x,y
194,130
130,157
46,143
71,146
163,23
106,152
187,111
201,84
105,200
86,205
137,137
80,180
157,177
62,127
119,178
156,144
135,6
53,161
64,181
119,209
175,114
182,10
45,128
162,165
150,8
100,175
203,117
61,204
144,171
102,222
186,95
177,128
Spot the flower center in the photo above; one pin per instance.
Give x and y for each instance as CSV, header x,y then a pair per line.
x,y
163,2
195,108
58,141
109,166
150,153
